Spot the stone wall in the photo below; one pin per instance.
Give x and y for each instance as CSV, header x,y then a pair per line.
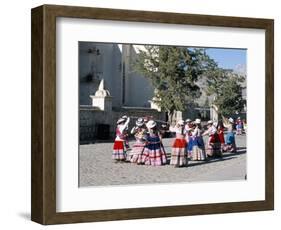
x,y
94,123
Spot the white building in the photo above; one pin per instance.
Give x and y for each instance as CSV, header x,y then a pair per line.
x,y
110,88
114,64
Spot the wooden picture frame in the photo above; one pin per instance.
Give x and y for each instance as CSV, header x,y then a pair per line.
x,y
43,206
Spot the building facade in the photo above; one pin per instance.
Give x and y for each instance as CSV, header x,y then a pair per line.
x,y
109,88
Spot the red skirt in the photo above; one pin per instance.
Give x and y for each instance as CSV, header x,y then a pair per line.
x,y
179,143
179,156
118,145
118,151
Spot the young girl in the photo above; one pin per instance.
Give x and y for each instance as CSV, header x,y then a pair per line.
x,y
179,155
221,135
154,153
119,152
239,126
230,137
213,144
188,137
126,135
140,133
198,148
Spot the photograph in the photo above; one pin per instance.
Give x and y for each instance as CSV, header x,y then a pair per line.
x,y
152,113
141,114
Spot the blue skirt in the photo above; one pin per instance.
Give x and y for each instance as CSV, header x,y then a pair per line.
x,y
230,138
190,144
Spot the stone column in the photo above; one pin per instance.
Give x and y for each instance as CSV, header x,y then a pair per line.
x,y
102,98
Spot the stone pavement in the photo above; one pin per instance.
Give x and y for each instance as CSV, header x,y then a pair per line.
x,y
98,169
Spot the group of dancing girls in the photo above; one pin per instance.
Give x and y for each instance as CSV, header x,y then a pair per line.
x,y
148,148
188,144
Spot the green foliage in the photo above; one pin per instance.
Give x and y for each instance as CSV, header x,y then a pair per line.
x,y
227,90
207,102
173,72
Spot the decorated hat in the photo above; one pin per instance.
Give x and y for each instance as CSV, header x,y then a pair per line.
x,y
180,122
210,122
140,122
197,121
146,119
231,120
151,124
125,117
120,120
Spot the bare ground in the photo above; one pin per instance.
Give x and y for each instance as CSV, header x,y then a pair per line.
x,y
98,169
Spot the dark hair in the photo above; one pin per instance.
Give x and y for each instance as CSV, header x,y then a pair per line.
x,y
220,123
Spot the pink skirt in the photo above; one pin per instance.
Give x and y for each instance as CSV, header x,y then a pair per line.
x,y
154,157
137,151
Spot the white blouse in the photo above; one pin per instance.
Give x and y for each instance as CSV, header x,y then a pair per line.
x,y
122,128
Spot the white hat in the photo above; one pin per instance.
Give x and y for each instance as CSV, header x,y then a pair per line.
x,y
146,119
140,122
197,121
120,120
231,120
151,124
213,130
187,120
188,129
124,117
210,122
180,122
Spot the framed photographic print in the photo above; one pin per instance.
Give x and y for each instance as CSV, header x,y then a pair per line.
x,y
140,114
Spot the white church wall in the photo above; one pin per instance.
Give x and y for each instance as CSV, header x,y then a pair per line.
x,y
107,66
139,88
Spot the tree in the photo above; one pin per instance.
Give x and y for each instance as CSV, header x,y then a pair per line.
x,y
207,102
227,88
173,72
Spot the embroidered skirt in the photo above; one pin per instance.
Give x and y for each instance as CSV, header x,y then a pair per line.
x,y
214,149
136,153
230,145
119,152
189,146
179,156
230,148
154,153
198,149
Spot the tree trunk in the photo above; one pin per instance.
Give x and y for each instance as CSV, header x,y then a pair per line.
x,y
170,116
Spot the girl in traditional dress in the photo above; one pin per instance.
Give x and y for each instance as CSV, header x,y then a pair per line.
x,y
126,135
119,152
154,153
221,135
140,133
239,126
198,147
188,137
179,154
230,137
213,144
